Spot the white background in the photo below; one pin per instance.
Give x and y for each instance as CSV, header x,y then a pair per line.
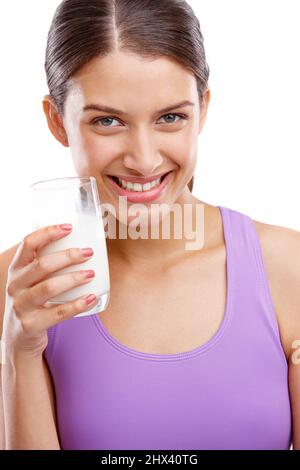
x,y
248,152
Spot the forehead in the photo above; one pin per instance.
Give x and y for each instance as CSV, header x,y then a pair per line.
x,y
125,80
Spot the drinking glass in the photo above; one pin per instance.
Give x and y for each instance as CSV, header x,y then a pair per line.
x,y
74,200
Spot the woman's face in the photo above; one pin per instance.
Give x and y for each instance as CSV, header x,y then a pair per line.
x,y
142,141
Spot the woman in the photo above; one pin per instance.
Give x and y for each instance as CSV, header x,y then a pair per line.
x,y
196,348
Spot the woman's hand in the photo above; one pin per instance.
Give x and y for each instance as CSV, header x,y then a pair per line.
x,y
26,319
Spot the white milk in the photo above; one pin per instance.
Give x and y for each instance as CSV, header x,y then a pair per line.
x,y
88,232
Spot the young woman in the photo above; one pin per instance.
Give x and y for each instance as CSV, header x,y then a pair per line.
x,y
196,349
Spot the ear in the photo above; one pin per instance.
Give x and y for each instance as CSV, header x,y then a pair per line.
x,y
54,120
204,108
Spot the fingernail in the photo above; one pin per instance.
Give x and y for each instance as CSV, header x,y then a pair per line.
x,y
89,299
87,252
66,227
88,274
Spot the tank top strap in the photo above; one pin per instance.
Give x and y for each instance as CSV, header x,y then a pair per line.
x,y
251,281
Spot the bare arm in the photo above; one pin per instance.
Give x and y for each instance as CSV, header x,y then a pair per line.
x,y
283,259
27,393
28,416
291,283
27,401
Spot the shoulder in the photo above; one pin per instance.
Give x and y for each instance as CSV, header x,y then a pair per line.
x,y
281,255
6,258
7,255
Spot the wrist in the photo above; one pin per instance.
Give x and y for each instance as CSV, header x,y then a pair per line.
x,y
16,357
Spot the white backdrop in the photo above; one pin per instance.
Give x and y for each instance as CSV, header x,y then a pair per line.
x,y
249,150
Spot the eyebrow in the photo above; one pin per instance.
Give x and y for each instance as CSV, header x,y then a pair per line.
x,y
108,109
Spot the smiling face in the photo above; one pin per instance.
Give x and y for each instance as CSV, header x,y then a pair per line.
x,y
143,140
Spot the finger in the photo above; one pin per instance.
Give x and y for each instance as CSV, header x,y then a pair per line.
x,y
47,317
35,241
36,296
42,266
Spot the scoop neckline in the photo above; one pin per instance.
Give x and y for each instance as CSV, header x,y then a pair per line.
x,y
208,345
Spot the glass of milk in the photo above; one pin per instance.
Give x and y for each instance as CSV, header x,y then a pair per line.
x,y
74,200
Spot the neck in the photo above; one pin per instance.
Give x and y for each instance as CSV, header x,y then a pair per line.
x,y
184,234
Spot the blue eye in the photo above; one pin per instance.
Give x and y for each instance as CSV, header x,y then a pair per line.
x,y
109,118
104,119
181,116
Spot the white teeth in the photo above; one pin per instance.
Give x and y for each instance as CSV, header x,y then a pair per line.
x,y
137,186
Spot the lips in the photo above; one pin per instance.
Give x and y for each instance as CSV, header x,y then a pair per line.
x,y
141,196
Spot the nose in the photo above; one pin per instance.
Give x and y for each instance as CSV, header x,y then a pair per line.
x,y
143,157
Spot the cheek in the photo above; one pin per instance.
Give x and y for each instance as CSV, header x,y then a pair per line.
x,y
183,151
92,153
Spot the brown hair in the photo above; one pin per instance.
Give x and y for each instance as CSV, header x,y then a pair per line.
x,y
191,184
83,30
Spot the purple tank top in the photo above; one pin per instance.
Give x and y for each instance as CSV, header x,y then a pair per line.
x,y
229,393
